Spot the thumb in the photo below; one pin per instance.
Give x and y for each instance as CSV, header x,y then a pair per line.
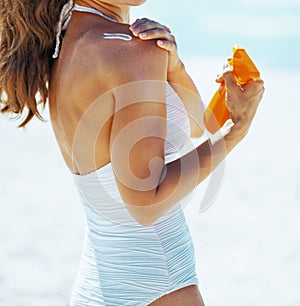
x,y
229,78
219,78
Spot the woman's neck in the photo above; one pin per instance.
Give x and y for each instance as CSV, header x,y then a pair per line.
x,y
120,13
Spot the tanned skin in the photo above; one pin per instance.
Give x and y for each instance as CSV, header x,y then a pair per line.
x,y
99,88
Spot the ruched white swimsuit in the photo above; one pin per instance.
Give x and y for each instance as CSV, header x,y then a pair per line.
x,y
123,262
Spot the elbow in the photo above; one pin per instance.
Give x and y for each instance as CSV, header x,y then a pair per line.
x,y
196,133
145,221
144,206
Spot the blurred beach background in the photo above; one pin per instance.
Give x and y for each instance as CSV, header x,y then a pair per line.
x,y
248,242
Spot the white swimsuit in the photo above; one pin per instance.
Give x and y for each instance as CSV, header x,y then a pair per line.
x,y
123,262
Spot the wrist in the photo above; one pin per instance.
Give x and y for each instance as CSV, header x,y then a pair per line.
x,y
176,69
238,131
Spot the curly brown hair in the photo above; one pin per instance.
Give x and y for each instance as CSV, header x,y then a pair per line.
x,y
27,42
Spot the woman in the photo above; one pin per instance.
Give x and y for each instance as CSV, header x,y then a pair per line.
x,y
122,108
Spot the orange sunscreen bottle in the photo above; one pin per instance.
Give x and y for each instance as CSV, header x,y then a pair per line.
x,y
244,70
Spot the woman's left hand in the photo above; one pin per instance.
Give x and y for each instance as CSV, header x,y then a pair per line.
x,y
147,29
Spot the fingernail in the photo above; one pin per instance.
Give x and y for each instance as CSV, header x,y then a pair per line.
x,y
143,35
160,42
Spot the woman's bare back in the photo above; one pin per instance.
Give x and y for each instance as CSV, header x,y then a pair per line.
x,y
82,80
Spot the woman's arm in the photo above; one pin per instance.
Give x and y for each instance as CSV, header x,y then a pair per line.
x,y
177,75
188,93
148,186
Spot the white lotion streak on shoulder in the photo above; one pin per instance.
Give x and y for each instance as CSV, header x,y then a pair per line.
x,y
117,36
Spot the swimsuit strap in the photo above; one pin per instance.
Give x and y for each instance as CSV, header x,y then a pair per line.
x,y
85,9
65,17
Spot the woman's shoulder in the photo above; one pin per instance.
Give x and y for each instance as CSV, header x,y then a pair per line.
x,y
117,54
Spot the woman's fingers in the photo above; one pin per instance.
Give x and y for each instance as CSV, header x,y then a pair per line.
x,y
256,85
167,45
151,29
142,25
242,100
168,29
229,79
157,33
147,29
139,22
